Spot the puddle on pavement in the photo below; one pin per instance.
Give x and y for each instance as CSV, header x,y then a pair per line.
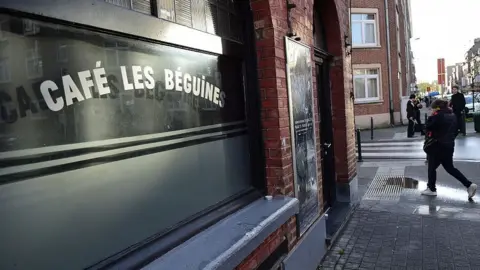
x,y
405,182
444,193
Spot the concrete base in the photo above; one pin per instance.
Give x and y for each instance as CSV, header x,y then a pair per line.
x,y
381,120
310,250
348,192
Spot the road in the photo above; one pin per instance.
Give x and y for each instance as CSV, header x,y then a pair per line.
x,y
466,149
394,227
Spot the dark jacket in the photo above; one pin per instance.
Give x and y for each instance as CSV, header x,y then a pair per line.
x,y
457,103
411,112
442,125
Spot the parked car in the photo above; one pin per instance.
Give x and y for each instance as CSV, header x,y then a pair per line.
x,y
469,105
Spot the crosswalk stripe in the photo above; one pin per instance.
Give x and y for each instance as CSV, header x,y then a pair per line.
x,y
391,144
393,150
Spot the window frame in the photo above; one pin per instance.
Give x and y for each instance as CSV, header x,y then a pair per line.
x,y
363,22
365,77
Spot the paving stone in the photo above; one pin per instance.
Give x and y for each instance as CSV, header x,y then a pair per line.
x,y
412,233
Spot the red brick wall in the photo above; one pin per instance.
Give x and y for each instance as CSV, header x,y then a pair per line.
x,y
270,18
268,247
379,55
374,56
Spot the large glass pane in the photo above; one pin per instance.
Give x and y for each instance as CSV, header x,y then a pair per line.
x,y
356,33
123,141
372,86
356,17
372,71
370,33
359,86
359,72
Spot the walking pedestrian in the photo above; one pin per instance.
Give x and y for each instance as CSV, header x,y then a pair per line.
x,y
439,145
457,103
411,115
418,118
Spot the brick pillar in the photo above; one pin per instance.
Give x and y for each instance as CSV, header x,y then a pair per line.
x,y
270,20
336,21
270,27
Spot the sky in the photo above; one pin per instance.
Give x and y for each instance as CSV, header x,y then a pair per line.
x,y
444,29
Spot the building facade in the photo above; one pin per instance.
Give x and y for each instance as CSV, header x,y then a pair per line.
x,y
382,61
203,134
471,66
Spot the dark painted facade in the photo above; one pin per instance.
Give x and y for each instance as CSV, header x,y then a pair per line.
x,y
130,145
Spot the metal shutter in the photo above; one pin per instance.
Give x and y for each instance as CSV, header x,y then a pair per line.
x,y
143,6
183,12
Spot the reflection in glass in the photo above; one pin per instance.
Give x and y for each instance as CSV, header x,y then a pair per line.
x,y
120,113
359,88
369,33
372,88
357,33
111,196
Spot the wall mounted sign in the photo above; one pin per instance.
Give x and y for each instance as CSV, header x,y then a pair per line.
x,y
302,122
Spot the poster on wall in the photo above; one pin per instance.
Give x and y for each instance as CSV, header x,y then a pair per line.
x,y
299,81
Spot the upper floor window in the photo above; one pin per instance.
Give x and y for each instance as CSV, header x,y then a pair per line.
x,y
366,84
364,30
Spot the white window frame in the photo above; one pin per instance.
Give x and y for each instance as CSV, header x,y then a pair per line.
x,y
377,76
366,11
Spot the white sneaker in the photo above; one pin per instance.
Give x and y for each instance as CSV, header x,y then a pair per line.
x,y
472,189
428,192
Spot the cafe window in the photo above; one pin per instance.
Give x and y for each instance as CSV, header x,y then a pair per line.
x,y
124,142
30,28
3,30
62,53
34,61
5,70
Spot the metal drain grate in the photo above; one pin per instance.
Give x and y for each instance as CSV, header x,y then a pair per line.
x,y
388,184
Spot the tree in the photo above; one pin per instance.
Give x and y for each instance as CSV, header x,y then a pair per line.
x,y
422,87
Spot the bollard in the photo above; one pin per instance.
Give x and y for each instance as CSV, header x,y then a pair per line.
x,y
359,146
464,124
371,128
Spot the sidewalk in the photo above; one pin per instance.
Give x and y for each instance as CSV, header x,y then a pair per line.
x,y
395,227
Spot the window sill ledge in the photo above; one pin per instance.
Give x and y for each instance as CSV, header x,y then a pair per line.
x,y
360,102
367,47
235,237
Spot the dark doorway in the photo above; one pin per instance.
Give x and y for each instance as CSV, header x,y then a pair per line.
x,y
326,134
322,61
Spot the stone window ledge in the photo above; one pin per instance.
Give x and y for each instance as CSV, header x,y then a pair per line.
x,y
227,243
360,102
